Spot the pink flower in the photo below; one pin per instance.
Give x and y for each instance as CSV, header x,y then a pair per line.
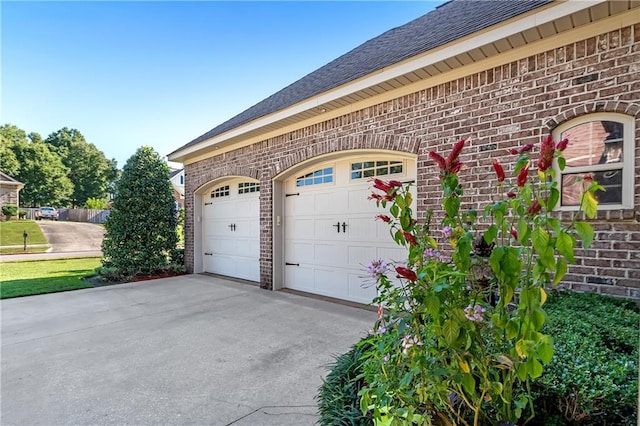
x,y
439,160
547,149
534,208
562,145
377,268
474,313
384,218
499,170
410,238
406,273
514,233
382,185
522,176
447,231
395,183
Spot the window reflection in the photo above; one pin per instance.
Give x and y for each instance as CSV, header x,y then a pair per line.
x,y
595,142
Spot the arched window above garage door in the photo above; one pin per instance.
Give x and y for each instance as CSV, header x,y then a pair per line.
x,y
316,177
367,169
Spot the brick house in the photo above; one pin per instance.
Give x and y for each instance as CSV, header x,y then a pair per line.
x,y
9,190
278,193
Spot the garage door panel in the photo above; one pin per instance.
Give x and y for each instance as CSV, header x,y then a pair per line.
x,y
360,256
361,289
303,204
334,262
358,201
231,233
300,252
329,254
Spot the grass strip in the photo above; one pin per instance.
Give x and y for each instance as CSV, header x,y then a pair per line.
x,y
45,276
11,233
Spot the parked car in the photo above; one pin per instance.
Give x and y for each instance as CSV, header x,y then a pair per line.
x,y
47,213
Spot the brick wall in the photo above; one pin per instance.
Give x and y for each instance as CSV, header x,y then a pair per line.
x,y
496,109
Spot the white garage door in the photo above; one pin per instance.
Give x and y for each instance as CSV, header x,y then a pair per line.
x,y
231,228
330,231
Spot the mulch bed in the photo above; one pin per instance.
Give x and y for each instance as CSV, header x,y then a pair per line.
x,y
96,281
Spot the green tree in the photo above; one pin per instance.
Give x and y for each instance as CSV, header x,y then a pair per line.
x,y
95,204
141,230
89,170
29,160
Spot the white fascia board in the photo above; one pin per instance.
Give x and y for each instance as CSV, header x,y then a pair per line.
x,y
563,8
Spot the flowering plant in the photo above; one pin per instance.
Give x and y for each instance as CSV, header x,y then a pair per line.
x,y
458,339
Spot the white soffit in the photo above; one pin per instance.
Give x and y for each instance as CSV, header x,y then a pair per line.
x,y
528,24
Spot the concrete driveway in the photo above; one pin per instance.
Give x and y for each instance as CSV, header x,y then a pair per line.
x,y
72,236
185,350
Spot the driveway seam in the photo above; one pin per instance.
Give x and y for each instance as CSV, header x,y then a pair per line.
x,y
278,414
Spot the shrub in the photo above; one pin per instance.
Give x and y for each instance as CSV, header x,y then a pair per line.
x,y
338,400
591,380
141,229
95,203
9,210
176,256
110,273
22,214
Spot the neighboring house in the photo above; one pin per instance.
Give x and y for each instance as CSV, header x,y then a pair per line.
x,y
9,190
176,176
278,193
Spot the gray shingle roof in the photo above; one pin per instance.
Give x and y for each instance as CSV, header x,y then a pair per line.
x,y
450,21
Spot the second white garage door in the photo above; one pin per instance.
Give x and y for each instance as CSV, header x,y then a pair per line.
x,y
330,231
231,230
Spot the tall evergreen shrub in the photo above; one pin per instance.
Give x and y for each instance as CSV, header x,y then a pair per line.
x,y
141,229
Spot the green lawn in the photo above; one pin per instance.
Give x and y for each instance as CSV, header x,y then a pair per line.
x,y
45,276
21,251
11,233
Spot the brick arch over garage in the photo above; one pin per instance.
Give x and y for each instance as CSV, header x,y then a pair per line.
x,y
228,170
622,107
374,142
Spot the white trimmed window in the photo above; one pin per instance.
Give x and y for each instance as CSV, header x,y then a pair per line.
x,y
600,145
223,191
248,187
366,169
316,177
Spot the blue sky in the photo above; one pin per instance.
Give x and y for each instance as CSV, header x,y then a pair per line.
x,y
128,74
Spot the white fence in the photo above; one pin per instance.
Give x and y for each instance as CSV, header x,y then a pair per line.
x,y
74,215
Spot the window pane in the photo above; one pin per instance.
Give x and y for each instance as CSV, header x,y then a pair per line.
x,y
396,169
328,171
381,163
368,173
308,182
572,187
382,171
328,179
595,142
356,166
369,164
356,175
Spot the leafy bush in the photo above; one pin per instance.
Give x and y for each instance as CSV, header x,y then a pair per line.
x,y
95,203
593,376
22,214
9,210
176,256
339,403
110,273
591,380
141,229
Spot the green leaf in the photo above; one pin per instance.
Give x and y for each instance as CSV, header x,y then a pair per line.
x,y
394,210
589,205
451,206
561,270
554,197
586,233
450,331
469,384
564,244
405,220
562,163
540,239
523,230
534,367
432,305
545,352
490,234
538,318
406,379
